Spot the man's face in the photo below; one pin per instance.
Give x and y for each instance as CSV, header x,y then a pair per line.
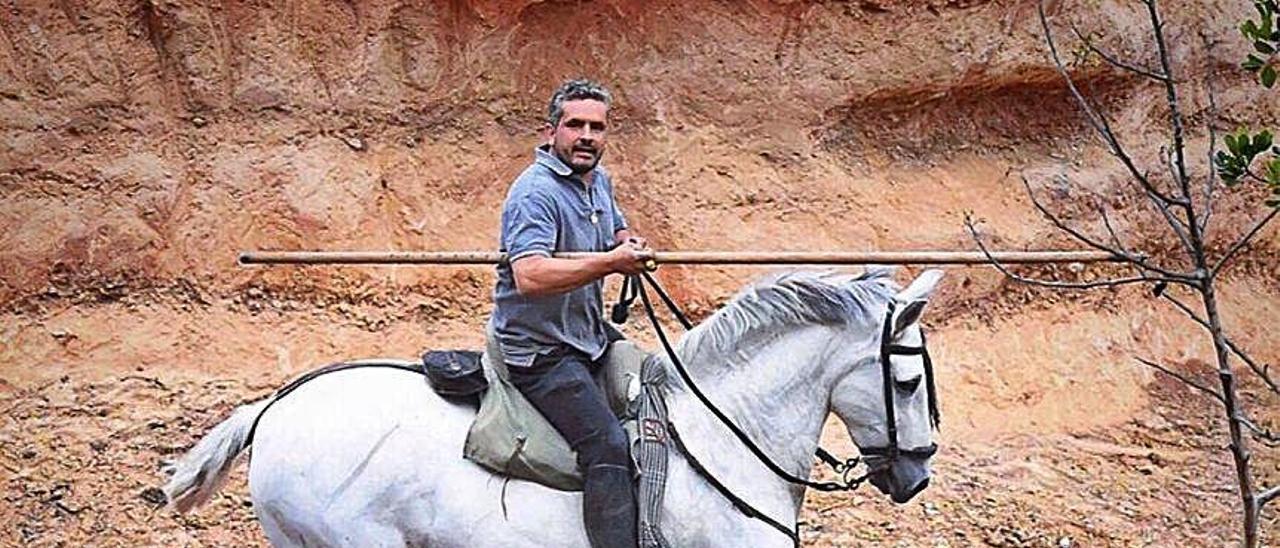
x,y
579,139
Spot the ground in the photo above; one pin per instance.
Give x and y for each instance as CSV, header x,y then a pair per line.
x,y
146,143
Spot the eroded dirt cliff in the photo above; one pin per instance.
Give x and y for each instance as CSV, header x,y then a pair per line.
x,y
145,143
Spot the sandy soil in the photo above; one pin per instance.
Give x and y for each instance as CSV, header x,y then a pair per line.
x,y
146,143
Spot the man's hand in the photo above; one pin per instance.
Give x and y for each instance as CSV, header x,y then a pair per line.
x,y
630,257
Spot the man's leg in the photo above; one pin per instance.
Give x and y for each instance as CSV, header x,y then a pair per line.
x,y
561,388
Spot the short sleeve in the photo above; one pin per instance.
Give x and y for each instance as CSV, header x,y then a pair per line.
x,y
528,226
619,221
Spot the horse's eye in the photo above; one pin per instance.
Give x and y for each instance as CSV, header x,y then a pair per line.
x,y
909,386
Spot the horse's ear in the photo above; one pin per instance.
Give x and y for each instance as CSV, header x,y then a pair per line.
x,y
914,297
906,316
922,287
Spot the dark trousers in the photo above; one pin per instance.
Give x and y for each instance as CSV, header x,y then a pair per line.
x,y
560,386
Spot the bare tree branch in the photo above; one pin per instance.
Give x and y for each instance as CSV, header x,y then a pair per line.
x,y
1115,62
1111,230
1262,433
1112,282
1212,181
1091,242
1063,226
1097,119
1262,370
1175,112
1243,241
1183,379
1266,496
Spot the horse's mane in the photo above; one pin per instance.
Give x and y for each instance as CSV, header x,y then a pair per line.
x,y
791,299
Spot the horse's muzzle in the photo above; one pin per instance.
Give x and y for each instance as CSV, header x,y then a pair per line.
x,y
902,478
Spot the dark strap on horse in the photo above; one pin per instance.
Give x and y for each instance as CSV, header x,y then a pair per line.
x,y
841,468
310,375
742,505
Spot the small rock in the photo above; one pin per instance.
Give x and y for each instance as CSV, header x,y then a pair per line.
x,y
1065,542
356,143
198,121
28,453
153,495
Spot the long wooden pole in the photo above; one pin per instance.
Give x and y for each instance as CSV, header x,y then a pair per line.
x,y
684,257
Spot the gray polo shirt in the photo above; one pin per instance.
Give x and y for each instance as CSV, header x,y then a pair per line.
x,y
547,210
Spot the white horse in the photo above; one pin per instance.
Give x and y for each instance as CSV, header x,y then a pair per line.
x,y
373,457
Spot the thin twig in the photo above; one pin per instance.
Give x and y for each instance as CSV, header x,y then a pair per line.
x,y
1111,230
1113,282
1262,370
1258,431
1183,379
1057,222
1266,496
1175,112
1212,181
1095,117
1091,242
1115,62
1243,241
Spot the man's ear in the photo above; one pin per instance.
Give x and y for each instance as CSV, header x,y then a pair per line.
x,y
548,134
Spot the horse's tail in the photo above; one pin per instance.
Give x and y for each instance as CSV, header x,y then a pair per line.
x,y
203,470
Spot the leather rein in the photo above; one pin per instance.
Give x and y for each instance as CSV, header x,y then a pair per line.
x,y
633,286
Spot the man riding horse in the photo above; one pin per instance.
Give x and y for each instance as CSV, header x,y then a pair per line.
x,y
548,311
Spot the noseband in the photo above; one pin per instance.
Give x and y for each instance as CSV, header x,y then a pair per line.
x,y
633,286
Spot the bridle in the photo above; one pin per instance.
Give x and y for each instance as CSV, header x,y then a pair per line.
x,y
887,351
844,469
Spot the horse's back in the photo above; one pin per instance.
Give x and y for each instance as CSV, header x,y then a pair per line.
x,y
372,456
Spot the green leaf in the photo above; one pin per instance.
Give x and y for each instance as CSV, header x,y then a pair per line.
x,y
1261,142
1232,144
1263,47
1268,77
1249,29
1272,174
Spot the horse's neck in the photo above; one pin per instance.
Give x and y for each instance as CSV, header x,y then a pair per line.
x,y
777,391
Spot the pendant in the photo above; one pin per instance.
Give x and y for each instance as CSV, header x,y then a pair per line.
x,y
595,219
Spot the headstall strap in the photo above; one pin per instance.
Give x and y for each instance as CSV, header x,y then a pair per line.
x,y
634,285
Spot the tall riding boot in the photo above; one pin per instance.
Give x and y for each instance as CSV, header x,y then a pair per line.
x,y
609,507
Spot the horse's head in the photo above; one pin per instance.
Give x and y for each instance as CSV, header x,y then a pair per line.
x,y
887,398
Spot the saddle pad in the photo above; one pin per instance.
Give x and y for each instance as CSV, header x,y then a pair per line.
x,y
510,437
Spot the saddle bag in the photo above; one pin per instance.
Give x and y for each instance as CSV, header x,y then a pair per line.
x,y
455,373
510,437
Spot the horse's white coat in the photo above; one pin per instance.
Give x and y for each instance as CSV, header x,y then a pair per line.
x,y
372,456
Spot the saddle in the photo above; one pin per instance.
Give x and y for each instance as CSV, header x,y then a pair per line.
x,y
509,436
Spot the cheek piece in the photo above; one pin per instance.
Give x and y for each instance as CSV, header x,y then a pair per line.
x,y
892,451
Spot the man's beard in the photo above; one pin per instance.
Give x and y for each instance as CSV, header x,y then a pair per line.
x,y
580,168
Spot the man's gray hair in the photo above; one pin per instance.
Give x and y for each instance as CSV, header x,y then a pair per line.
x,y
574,90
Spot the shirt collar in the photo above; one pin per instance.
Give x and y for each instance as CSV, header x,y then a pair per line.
x,y
547,159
